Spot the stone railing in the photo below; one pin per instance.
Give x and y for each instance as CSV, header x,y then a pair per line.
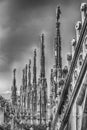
x,y
68,105
69,76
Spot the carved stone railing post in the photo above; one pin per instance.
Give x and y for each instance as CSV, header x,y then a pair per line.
x,y
73,43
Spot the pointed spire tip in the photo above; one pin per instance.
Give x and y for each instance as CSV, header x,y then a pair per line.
x,y
58,12
34,52
14,71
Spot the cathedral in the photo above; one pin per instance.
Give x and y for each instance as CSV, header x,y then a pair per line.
x,y
31,109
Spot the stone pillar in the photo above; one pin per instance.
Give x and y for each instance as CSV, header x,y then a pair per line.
x,y
78,29
83,11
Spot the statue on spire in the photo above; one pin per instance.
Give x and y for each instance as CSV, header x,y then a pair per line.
x,y
58,12
14,78
14,72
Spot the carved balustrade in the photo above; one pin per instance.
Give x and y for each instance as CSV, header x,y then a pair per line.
x,y
69,76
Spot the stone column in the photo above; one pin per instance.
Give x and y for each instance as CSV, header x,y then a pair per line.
x,y
83,11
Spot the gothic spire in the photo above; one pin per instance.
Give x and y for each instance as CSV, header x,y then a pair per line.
x,y
51,77
42,73
23,78
14,77
26,74
58,60
29,73
14,89
34,68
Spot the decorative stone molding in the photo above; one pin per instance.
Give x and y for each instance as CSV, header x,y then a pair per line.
x,y
78,29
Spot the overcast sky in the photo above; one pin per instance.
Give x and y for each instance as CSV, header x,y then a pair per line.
x,y
21,23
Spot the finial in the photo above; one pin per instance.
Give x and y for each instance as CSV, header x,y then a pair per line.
x,y
26,67
42,37
23,78
26,74
35,52
14,78
14,72
78,25
29,63
51,74
23,73
51,70
58,12
73,42
83,6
